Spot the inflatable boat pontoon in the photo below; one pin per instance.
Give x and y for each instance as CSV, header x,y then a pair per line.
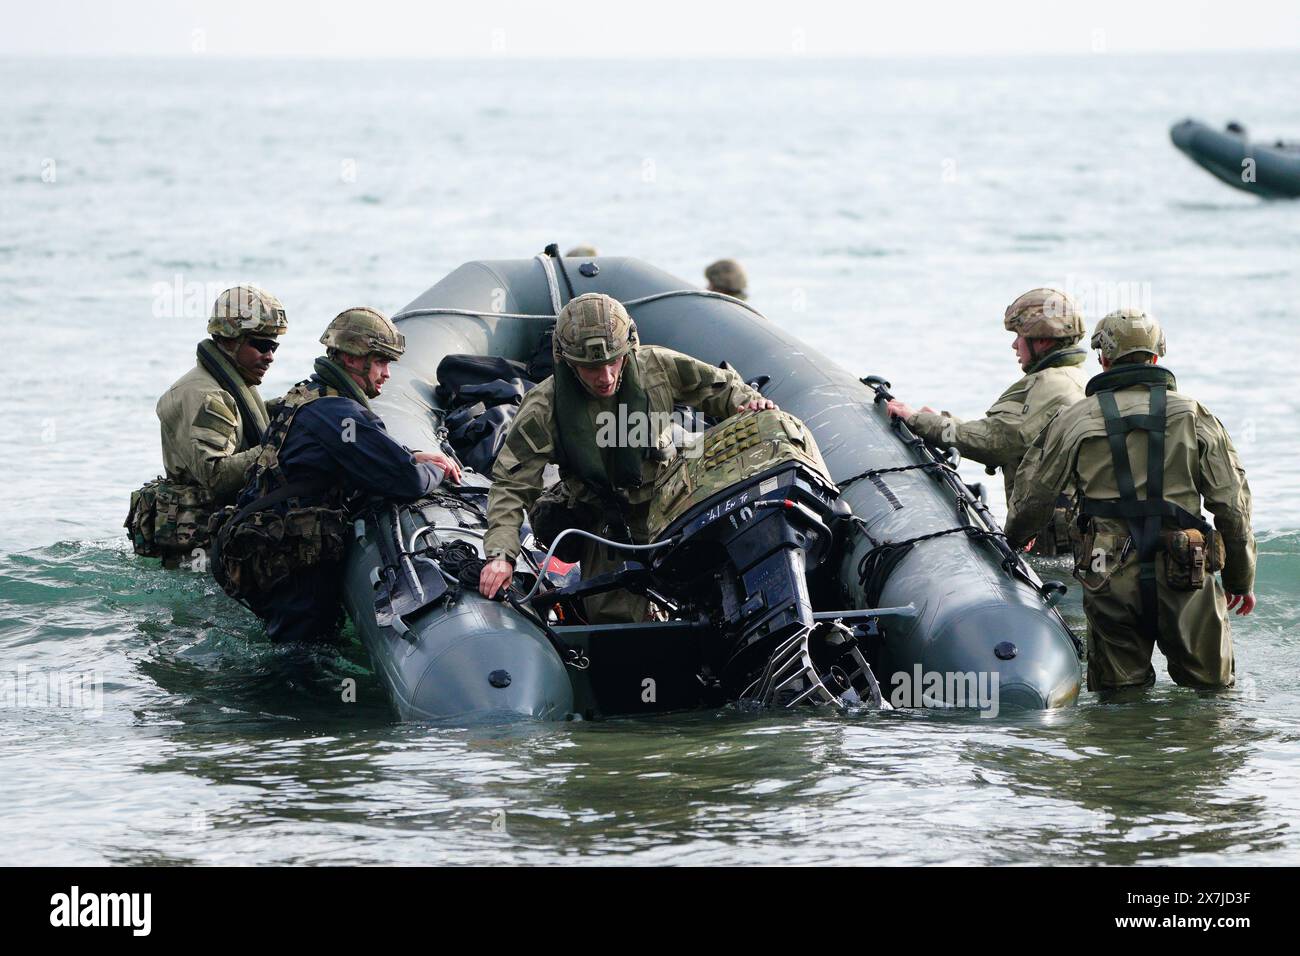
x,y
784,589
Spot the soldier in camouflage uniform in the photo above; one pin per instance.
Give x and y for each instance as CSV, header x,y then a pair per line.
x,y
727,276
608,474
1142,455
212,422
1047,324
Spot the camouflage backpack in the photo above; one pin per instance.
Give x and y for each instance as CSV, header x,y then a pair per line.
x,y
169,520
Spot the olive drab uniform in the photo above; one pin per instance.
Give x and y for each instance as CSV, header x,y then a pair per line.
x,y
212,422
1141,457
1001,438
619,509
1053,382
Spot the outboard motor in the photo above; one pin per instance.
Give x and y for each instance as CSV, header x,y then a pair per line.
x,y
751,508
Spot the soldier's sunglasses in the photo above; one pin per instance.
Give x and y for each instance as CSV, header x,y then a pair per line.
x,y
263,345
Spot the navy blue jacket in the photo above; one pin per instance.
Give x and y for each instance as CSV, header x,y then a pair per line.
x,y
344,444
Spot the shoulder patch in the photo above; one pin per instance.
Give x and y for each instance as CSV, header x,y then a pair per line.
x,y
216,415
536,434
688,372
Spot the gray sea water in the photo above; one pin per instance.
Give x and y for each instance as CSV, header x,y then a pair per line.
x,y
886,211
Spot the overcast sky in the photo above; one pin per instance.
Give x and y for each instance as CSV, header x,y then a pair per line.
x,y
616,28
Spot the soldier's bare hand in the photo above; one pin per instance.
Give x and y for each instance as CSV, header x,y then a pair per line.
x,y
494,576
899,409
758,405
1247,602
449,468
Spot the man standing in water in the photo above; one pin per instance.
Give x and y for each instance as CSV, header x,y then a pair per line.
x,y
1047,324
213,420
282,551
601,374
1142,455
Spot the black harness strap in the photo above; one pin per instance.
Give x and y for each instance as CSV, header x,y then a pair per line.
x,y
1145,516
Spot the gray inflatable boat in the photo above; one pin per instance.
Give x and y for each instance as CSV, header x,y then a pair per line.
x,y
1270,170
894,586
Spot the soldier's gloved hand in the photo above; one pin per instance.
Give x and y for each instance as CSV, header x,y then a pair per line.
x,y
1247,602
494,576
449,468
758,405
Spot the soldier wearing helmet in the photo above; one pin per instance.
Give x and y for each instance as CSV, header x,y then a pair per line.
x,y
1142,456
280,548
212,421
604,380
727,276
1047,324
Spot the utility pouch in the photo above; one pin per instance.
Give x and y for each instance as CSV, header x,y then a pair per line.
x,y
168,519
556,510
1097,555
1081,543
1189,556
1056,536
259,552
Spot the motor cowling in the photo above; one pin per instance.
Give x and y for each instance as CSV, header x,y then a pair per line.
x,y
750,505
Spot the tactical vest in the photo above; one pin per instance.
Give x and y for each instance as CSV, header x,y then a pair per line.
x,y
1146,517
258,546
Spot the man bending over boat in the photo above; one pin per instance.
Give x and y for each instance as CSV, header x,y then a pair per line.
x,y
603,376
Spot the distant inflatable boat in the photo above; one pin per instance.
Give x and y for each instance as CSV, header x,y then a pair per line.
x,y
1268,170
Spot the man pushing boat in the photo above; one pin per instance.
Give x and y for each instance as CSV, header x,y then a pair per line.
x,y
603,418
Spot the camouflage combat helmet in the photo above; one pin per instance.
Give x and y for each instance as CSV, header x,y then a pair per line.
x,y
1045,314
727,276
582,252
593,329
1126,331
361,332
247,310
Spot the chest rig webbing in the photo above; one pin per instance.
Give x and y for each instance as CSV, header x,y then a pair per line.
x,y
265,472
1145,516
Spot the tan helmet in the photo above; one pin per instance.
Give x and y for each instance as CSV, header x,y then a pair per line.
x,y
247,310
361,332
1126,331
727,276
1045,314
582,252
593,329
